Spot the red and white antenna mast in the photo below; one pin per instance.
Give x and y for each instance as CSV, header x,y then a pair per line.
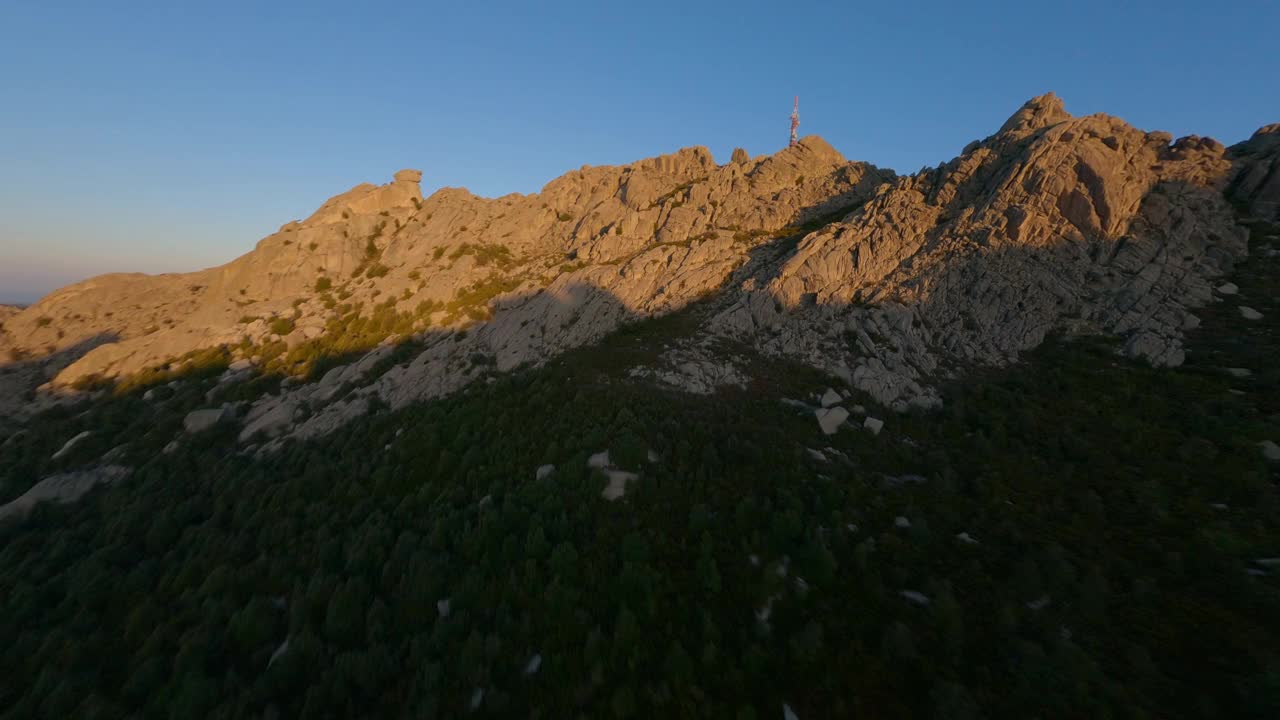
x,y
795,120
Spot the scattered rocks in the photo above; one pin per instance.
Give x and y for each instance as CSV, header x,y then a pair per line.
x,y
1249,313
831,397
831,418
873,424
694,369
1228,289
817,455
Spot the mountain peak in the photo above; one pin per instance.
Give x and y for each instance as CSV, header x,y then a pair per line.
x,y
1035,114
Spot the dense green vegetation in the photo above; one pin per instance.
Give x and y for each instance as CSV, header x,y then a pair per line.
x,y
1117,511
484,254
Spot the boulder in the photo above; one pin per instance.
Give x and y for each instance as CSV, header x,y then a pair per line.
x,y
70,445
534,663
916,597
831,418
544,471
874,425
201,420
1270,450
279,652
599,460
270,416
1249,313
408,176
63,488
739,157
617,486
1228,289
831,397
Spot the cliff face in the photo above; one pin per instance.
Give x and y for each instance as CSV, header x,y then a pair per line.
x,y
1055,223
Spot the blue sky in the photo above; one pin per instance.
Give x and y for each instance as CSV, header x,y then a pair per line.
x,y
164,136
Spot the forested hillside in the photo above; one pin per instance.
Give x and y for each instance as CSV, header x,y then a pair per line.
x,y
1078,535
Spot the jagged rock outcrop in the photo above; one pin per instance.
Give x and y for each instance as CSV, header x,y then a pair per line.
x,y
1256,184
1053,223
652,233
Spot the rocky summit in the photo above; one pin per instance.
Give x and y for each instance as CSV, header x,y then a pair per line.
x,y
1054,224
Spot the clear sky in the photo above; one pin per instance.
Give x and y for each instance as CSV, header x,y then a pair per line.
x,y
161,136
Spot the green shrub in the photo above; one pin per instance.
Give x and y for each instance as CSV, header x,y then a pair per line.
x,y
282,326
484,254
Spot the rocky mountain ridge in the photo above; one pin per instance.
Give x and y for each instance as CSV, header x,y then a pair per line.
x,y
1053,224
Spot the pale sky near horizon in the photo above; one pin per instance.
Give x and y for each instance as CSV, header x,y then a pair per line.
x,y
171,136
